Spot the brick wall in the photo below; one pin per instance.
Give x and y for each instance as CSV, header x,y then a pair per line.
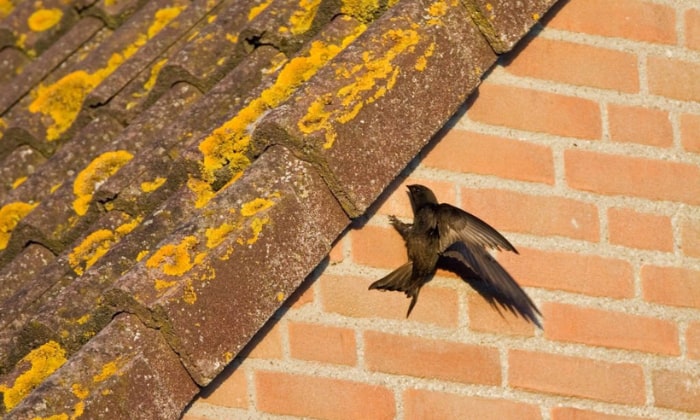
x,y
583,148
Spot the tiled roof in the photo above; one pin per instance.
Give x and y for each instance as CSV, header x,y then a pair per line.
x,y
171,171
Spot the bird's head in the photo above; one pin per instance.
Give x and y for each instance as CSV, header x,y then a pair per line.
x,y
420,195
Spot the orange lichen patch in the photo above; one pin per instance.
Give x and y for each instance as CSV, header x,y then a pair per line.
x,y
202,191
227,145
155,70
97,172
256,205
63,99
80,391
436,11
422,61
42,361
109,369
151,186
188,293
362,10
175,260
19,181
367,82
44,19
216,235
161,285
6,7
258,9
96,245
301,19
10,215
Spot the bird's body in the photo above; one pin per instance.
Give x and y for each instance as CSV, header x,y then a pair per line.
x,y
444,236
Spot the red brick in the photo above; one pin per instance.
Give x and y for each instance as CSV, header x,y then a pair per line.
x,y
469,152
577,64
422,404
228,390
576,376
690,236
674,286
349,296
690,132
610,329
484,317
538,215
692,28
318,397
676,79
322,343
638,177
572,272
677,390
569,413
370,239
632,124
336,255
267,343
302,297
397,203
631,19
532,110
692,340
434,359
632,229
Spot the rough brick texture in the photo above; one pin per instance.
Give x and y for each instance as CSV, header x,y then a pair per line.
x,y
582,148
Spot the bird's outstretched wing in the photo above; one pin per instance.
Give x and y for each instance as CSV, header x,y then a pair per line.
x,y
492,281
456,225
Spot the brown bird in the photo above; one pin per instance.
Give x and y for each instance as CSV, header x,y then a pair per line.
x,y
444,236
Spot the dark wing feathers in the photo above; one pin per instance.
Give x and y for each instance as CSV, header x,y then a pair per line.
x,y
494,283
456,225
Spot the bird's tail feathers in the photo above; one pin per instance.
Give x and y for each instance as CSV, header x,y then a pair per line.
x,y
399,280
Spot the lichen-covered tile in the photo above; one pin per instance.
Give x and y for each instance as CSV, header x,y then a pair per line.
x,y
34,26
22,82
155,172
344,118
175,23
52,111
234,263
127,368
224,153
211,49
16,167
114,13
504,22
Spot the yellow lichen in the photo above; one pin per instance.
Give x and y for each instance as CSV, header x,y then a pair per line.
x,y
227,145
422,61
188,293
80,391
44,19
216,235
42,361
97,172
109,369
256,226
161,285
362,10
367,82
232,38
19,181
142,255
256,205
63,99
258,9
55,187
175,260
202,191
280,296
151,186
6,7
301,19
10,216
155,70
83,319
96,245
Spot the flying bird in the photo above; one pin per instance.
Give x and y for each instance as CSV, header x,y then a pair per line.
x,y
444,236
